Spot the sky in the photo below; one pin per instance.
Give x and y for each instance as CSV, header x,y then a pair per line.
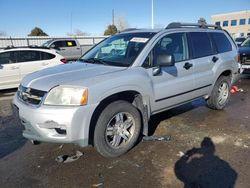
x,y
19,17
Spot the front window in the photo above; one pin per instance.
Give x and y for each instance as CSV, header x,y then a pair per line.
x,y
246,43
118,50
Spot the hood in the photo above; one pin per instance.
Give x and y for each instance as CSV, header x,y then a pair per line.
x,y
244,50
65,74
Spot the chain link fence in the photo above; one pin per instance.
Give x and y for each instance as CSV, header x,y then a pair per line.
x,y
86,41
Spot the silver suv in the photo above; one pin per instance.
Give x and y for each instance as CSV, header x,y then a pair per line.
x,y
107,97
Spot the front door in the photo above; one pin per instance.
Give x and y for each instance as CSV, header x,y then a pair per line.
x,y
174,84
9,70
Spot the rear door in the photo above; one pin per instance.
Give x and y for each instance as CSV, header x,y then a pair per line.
x,y
204,59
174,85
9,70
73,49
29,61
68,49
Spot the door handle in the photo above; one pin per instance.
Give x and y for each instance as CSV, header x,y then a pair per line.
x,y
14,67
187,65
214,59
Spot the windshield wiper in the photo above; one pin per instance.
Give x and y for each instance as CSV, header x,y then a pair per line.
x,y
94,60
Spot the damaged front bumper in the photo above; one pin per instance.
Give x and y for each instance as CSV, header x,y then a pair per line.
x,y
56,124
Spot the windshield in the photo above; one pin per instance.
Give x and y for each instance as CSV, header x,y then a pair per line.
x,y
118,50
46,44
246,43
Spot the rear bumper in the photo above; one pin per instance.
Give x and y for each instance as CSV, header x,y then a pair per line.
x,y
55,124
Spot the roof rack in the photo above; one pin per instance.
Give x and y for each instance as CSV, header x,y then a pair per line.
x,y
199,25
31,46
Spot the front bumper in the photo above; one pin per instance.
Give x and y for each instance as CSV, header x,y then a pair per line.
x,y
55,123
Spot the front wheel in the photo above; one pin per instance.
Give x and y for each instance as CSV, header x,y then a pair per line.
x,y
117,129
220,94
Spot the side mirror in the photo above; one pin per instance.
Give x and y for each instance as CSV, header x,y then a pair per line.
x,y
165,60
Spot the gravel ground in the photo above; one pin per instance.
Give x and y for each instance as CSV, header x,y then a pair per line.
x,y
206,146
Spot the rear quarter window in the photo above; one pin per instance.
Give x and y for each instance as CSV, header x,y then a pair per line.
x,y
201,44
47,56
222,42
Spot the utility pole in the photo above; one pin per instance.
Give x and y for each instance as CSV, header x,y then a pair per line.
x,y
71,22
152,16
113,17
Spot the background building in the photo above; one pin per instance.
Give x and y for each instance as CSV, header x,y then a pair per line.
x,y
236,23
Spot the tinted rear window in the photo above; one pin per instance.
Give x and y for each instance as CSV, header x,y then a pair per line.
x,y
221,41
47,56
201,44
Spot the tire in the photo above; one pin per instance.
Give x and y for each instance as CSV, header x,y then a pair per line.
x,y
219,96
117,129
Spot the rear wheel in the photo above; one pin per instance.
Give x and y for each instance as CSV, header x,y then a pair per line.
x,y
117,129
220,94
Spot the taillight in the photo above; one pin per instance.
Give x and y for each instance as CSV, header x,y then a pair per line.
x,y
237,58
63,60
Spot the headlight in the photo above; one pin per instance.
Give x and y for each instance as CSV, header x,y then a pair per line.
x,y
67,95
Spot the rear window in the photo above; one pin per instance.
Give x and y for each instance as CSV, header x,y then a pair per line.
x,y
47,56
222,43
71,43
201,44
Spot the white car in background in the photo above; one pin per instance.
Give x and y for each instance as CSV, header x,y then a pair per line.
x,y
15,63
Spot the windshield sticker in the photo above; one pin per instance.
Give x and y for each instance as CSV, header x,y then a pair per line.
x,y
138,39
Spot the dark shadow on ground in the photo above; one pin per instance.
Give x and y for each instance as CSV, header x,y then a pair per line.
x,y
156,119
11,137
201,168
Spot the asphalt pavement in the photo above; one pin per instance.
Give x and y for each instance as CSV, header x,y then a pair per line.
x,y
203,148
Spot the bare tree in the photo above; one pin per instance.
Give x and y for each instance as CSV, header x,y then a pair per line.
x,y
2,33
121,23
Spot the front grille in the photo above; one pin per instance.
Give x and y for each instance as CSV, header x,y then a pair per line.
x,y
29,95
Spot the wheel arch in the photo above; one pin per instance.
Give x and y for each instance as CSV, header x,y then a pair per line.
x,y
132,96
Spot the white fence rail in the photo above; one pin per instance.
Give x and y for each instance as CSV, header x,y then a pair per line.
x,y
29,41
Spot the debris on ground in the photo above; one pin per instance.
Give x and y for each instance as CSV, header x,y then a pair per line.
x,y
180,154
101,179
69,159
97,185
157,138
235,89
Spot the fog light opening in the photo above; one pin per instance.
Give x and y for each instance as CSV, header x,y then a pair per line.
x,y
61,131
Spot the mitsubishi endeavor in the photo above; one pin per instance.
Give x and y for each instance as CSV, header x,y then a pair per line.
x,y
106,98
